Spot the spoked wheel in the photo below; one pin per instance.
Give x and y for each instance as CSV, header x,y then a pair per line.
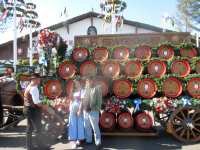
x,y
185,125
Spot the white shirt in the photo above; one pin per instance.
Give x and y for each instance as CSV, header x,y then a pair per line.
x,y
35,95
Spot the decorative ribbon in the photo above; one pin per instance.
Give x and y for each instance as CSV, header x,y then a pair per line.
x,y
186,101
137,103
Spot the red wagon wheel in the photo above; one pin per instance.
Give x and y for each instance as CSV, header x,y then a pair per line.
x,y
122,88
104,85
110,69
180,67
67,70
133,69
121,53
88,68
165,52
52,89
107,121
144,121
188,52
172,87
185,125
143,52
198,67
80,54
100,54
125,120
193,87
156,68
147,88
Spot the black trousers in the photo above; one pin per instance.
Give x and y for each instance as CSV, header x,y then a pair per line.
x,y
33,115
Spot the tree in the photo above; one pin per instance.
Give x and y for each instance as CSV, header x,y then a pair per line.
x,y
189,14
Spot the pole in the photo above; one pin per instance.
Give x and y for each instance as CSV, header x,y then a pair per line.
x,y
31,47
15,37
197,40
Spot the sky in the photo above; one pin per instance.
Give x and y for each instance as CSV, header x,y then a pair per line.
x,y
144,11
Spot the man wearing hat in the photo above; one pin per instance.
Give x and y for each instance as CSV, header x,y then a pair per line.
x,y
32,110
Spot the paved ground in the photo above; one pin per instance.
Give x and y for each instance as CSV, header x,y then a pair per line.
x,y
14,139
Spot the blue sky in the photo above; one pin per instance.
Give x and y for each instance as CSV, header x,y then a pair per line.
x,y
145,11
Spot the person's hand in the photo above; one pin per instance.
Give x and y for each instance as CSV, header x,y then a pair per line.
x,y
79,113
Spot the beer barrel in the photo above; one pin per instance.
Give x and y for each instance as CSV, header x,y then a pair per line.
x,y
107,121
67,70
80,54
143,52
143,120
147,88
188,52
52,89
193,87
172,87
110,69
125,120
180,68
104,85
198,67
122,88
133,69
156,68
88,68
165,52
69,88
121,53
100,54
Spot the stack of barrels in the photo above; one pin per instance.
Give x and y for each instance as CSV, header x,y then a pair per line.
x,y
117,71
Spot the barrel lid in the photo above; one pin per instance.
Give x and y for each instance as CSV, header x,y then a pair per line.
x,y
125,120
104,84
156,68
110,69
188,52
80,54
52,89
67,70
88,68
107,120
100,54
144,121
143,52
133,69
193,87
180,68
121,53
165,52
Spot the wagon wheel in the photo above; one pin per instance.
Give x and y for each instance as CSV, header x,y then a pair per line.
x,y
185,125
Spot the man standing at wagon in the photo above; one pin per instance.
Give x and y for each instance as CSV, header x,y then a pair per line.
x,y
91,106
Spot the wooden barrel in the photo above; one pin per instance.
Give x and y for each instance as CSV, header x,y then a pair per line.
x,y
107,121
121,53
147,88
165,52
80,54
172,87
122,88
69,88
156,68
88,68
52,89
67,70
110,69
133,69
125,120
104,84
143,52
197,67
193,87
188,52
143,120
180,68
100,54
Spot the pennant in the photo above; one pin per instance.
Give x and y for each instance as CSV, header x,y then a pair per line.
x,y
4,15
21,25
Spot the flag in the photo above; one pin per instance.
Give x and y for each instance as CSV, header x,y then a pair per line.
x,y
4,14
21,25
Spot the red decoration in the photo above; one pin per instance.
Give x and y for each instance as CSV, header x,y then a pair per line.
x,y
100,54
67,70
144,121
133,69
47,38
180,68
52,89
125,120
143,52
193,87
122,88
156,68
107,120
80,54
147,88
88,68
165,52
121,53
110,69
172,87
188,52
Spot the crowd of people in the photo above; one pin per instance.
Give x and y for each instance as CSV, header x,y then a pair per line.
x,y
84,110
